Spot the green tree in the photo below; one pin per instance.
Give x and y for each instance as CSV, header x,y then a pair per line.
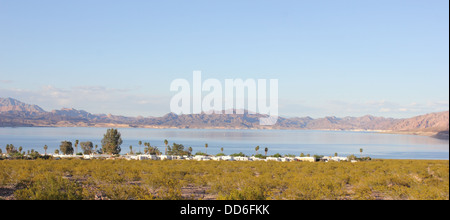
x,y
200,153
111,141
361,151
240,154
66,147
257,149
266,150
277,155
206,148
145,148
336,154
20,149
221,150
151,150
351,157
87,147
10,149
131,149
140,143
317,157
302,155
177,149
56,151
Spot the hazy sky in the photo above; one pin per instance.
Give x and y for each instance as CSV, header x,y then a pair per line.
x,y
335,57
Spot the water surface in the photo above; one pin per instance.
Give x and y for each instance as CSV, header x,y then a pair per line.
x,y
388,146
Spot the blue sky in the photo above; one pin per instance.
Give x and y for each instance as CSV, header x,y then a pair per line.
x,y
342,58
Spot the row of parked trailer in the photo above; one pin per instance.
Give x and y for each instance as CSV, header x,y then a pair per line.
x,y
231,158
205,158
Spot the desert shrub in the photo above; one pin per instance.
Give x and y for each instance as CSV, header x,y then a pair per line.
x,y
247,193
131,180
50,188
363,192
125,192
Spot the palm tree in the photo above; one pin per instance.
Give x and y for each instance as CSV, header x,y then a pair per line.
x,y
266,150
20,149
76,146
361,151
145,144
190,150
131,149
96,147
221,150
336,154
45,149
257,149
166,142
140,143
206,148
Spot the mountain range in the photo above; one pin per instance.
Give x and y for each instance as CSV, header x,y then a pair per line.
x,y
14,113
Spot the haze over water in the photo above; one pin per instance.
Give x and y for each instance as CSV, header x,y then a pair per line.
x,y
387,146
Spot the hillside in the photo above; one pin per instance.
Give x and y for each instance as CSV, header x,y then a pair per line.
x,y
14,113
12,105
433,122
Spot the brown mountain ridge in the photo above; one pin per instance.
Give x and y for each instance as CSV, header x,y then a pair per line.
x,y
14,113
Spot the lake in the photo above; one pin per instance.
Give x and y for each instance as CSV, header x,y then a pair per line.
x,y
375,145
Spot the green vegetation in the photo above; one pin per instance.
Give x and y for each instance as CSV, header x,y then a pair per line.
x,y
29,175
87,147
240,154
76,179
111,141
152,150
199,153
178,149
277,155
66,147
260,156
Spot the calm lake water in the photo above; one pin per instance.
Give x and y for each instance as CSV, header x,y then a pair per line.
x,y
388,146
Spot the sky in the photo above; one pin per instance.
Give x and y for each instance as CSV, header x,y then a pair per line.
x,y
331,57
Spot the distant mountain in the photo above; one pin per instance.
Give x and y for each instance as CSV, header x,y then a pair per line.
x,y
12,105
14,113
438,121
70,112
367,122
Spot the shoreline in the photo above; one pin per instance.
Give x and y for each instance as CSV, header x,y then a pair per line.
x,y
432,134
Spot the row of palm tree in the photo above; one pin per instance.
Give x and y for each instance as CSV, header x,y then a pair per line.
x,y
147,144
166,144
221,149
265,150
